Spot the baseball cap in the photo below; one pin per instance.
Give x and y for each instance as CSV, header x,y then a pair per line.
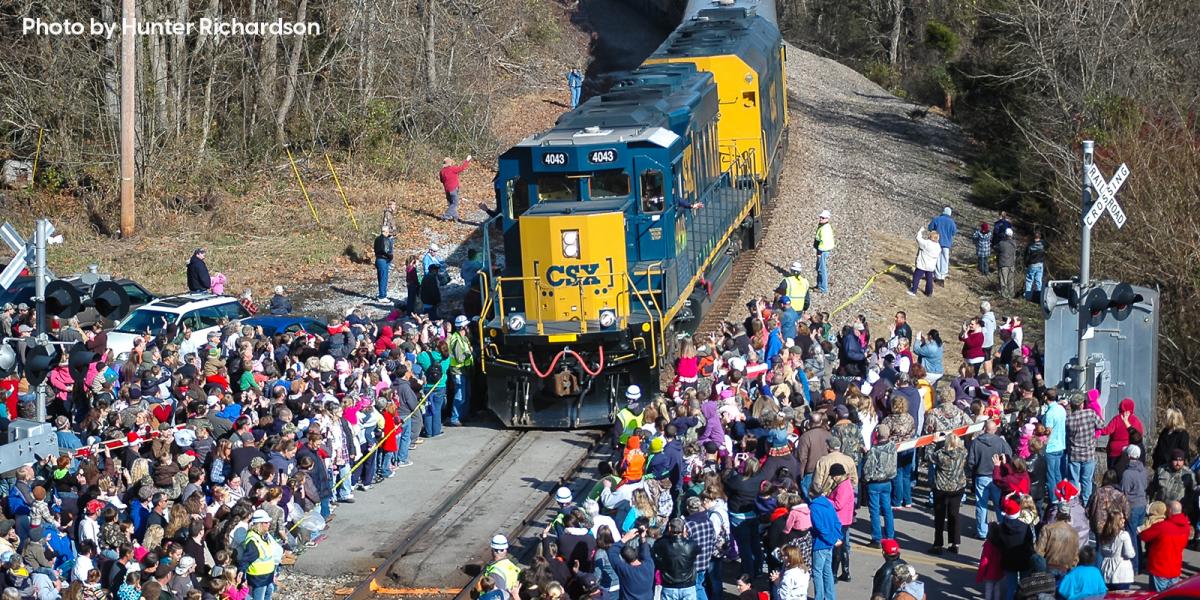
x,y
890,546
259,516
785,300
587,583
434,247
185,564
499,542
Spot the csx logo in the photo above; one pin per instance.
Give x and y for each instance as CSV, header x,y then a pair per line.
x,y
573,275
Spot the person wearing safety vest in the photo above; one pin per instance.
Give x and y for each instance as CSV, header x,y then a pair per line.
x,y
260,557
502,568
823,244
795,287
462,358
629,419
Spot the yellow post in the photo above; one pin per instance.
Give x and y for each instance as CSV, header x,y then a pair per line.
x,y
303,189
37,154
342,193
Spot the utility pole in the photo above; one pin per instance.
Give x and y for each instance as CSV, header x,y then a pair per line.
x,y
128,81
41,232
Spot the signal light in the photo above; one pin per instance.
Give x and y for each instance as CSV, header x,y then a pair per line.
x,y
110,300
62,299
39,360
1122,301
8,359
1096,304
1067,291
78,361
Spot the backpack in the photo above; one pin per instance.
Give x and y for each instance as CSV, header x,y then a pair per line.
x,y
1036,585
433,373
880,464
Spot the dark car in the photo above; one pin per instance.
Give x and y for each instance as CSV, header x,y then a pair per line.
x,y
21,291
138,296
273,324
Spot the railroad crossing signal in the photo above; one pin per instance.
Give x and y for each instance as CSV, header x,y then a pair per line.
x,y
19,260
1106,195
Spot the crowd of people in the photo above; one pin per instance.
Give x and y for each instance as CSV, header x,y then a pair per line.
x,y
232,455
777,437
782,433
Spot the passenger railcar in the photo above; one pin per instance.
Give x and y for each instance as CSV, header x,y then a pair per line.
x,y
622,221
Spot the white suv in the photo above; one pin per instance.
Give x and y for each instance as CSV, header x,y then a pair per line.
x,y
200,311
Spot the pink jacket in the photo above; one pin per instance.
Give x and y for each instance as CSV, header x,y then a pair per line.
x,y
61,381
843,501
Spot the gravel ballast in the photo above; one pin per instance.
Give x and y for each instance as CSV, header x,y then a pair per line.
x,y
883,166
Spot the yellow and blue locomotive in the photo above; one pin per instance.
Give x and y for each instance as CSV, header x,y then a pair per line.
x,y
622,221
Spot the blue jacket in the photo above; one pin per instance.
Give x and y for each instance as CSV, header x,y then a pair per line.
x,y
944,225
774,346
668,462
826,527
788,318
930,354
637,583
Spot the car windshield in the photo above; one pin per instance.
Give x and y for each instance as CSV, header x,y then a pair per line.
x,y
141,320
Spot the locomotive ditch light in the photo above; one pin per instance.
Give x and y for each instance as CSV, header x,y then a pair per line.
x,y
608,319
515,322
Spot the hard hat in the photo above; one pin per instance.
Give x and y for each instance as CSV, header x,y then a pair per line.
x,y
461,321
433,247
824,215
633,393
259,516
562,495
499,542
797,267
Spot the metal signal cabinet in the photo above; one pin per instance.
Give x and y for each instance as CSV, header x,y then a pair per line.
x,y
620,222
1123,349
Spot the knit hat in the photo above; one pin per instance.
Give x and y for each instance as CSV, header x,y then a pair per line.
x,y
1010,507
657,444
836,470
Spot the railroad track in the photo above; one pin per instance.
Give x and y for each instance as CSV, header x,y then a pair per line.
x,y
729,293
473,499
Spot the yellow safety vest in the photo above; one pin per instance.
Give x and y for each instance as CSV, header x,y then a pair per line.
x,y
265,563
796,288
629,423
458,340
825,237
509,571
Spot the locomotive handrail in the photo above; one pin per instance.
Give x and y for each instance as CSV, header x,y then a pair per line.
x,y
657,314
483,311
657,265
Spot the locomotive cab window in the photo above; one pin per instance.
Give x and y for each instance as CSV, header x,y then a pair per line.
x,y
518,197
557,188
652,192
609,184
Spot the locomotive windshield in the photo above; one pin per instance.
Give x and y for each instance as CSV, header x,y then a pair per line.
x,y
557,188
609,184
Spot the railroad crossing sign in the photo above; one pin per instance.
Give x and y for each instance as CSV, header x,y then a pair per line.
x,y
19,260
23,253
1106,195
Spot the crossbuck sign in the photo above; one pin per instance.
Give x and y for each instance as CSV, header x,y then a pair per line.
x,y
1106,195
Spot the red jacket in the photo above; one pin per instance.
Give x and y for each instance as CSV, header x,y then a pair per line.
x,y
1118,433
1010,481
449,175
973,345
1165,542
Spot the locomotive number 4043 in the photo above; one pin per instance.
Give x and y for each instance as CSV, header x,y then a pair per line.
x,y
599,157
557,159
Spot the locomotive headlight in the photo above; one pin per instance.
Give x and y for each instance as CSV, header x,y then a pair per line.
x,y
516,322
608,318
570,243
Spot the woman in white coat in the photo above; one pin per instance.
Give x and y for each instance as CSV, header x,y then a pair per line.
x,y
1116,552
928,251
